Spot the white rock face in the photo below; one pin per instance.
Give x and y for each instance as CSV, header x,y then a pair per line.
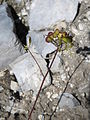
x,y
9,51
28,73
57,64
45,13
68,100
39,43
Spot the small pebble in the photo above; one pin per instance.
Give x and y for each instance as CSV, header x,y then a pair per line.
x,y
74,30
11,72
88,15
50,99
2,118
81,26
41,117
63,77
81,41
2,73
27,6
54,95
61,110
14,86
34,98
67,69
1,88
83,94
48,94
88,59
24,13
61,25
68,119
71,85
86,1
60,92
53,108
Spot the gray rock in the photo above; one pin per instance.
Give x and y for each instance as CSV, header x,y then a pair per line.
x,y
39,44
9,49
68,100
28,73
14,86
43,14
81,26
1,88
88,15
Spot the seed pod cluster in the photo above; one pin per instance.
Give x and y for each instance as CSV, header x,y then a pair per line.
x,y
59,39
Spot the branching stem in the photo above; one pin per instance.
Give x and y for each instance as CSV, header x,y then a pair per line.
x,y
29,117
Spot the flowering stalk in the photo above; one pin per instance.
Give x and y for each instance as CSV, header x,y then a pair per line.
x,y
29,117
36,62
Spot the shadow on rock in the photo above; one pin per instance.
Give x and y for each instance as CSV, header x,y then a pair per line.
x,y
84,51
19,28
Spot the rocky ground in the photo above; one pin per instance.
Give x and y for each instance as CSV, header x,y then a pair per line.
x,y
73,78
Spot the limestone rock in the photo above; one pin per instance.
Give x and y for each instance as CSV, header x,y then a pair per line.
x,y
68,100
28,73
43,14
10,49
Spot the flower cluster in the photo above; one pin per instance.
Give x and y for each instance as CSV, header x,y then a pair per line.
x,y
62,40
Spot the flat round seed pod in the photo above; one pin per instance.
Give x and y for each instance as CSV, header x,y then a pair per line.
x,y
56,33
50,33
51,36
48,39
59,36
64,34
